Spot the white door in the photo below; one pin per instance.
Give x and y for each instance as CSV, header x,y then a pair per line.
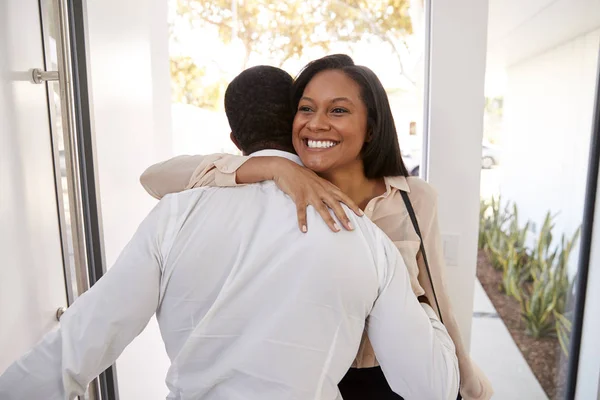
x,y
44,206
32,280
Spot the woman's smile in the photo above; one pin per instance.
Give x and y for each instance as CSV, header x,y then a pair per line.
x,y
320,144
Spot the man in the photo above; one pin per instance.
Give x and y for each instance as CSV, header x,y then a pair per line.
x,y
249,307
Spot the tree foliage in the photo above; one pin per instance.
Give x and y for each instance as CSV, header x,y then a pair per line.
x,y
188,85
283,29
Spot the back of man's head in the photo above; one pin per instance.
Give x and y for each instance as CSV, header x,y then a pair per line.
x,y
257,104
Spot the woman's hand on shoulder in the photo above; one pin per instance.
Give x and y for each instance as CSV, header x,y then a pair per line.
x,y
307,188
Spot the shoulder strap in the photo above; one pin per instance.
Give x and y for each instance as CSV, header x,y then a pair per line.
x,y
413,218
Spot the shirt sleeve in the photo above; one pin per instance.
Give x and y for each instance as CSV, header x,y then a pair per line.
x,y
186,172
413,348
97,327
474,384
220,171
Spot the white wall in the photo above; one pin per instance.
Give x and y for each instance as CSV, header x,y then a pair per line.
x,y
547,124
457,70
131,103
200,131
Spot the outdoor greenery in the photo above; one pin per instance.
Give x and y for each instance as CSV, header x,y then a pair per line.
x,y
282,30
188,86
535,275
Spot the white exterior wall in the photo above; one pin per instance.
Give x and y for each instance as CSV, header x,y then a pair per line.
x,y
547,124
131,101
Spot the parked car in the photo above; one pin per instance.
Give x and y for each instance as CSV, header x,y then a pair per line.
x,y
490,157
412,163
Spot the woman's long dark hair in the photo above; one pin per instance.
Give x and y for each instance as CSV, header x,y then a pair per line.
x,y
381,155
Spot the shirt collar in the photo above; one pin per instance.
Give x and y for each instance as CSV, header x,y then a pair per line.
x,y
398,182
277,153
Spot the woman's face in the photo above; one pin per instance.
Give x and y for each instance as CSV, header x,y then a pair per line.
x,y
331,123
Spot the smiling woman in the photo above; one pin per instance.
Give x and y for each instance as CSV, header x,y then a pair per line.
x,y
329,131
346,104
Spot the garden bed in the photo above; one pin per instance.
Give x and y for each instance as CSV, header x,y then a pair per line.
x,y
543,355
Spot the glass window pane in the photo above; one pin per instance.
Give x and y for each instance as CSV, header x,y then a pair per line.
x,y
210,43
540,88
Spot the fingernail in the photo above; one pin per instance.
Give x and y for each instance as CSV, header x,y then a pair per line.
x,y
336,226
304,228
350,226
361,212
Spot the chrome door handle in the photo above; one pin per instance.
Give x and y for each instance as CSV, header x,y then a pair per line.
x,y
60,311
40,76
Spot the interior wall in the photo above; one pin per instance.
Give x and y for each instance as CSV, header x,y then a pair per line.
x,y
128,52
456,102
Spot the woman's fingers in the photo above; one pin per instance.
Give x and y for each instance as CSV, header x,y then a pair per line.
x,y
323,211
306,188
339,212
301,211
325,214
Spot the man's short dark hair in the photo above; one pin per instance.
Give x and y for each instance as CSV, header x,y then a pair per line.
x,y
258,108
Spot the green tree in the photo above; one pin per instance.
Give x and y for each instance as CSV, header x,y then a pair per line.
x,y
282,29
189,86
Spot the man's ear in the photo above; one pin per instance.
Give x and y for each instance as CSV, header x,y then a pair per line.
x,y
235,141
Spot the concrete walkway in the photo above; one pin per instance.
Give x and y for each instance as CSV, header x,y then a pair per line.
x,y
495,352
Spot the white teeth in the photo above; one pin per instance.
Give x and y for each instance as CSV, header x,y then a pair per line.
x,y
320,144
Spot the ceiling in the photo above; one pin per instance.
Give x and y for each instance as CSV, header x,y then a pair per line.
x,y
518,29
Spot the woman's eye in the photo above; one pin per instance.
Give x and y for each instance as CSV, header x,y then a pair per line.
x,y
339,110
304,109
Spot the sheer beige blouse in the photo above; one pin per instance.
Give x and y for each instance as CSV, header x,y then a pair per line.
x,y
387,211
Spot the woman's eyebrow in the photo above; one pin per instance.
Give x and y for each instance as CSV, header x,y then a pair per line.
x,y
341,99
335,100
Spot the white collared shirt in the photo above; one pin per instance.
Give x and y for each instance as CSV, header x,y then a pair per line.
x,y
387,211
249,307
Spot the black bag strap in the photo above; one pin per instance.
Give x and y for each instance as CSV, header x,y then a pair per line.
x,y
413,218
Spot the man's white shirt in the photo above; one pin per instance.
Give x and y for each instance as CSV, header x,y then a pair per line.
x,y
248,306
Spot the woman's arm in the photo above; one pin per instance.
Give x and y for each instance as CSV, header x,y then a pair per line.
x,y
302,185
176,174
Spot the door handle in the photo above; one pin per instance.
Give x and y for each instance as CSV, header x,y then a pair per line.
x,y
39,76
60,311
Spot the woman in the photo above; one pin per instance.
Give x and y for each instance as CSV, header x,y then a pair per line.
x,y
344,131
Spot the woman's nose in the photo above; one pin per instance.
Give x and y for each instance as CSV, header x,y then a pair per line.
x,y
318,122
